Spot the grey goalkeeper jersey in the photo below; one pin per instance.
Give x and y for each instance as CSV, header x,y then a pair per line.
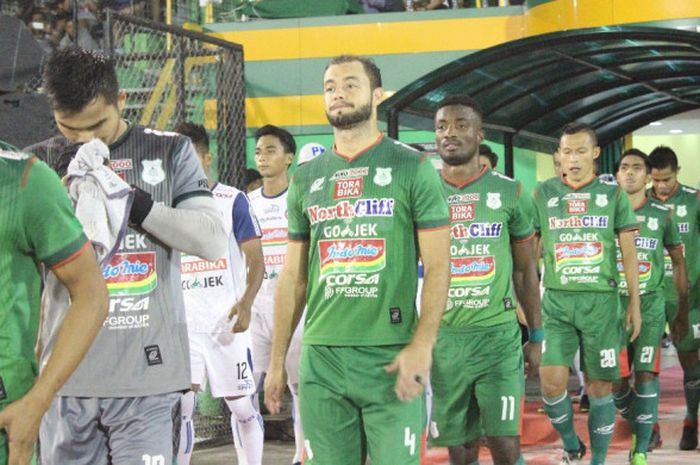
x,y
142,348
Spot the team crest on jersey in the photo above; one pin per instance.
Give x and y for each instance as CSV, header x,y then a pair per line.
x,y
382,176
317,185
601,200
653,224
153,173
553,202
681,210
493,200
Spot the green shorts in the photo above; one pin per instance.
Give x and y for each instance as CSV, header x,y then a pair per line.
x,y
644,352
589,320
478,382
347,401
691,341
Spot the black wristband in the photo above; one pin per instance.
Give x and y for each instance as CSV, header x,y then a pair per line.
x,y
140,207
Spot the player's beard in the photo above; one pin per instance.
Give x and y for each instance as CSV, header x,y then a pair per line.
x,y
349,120
457,159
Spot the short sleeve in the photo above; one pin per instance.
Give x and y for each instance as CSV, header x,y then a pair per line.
x,y
298,222
188,176
428,202
52,231
245,224
520,223
625,219
672,237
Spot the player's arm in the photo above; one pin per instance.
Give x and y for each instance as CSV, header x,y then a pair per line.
x,y
290,297
193,223
414,361
247,233
631,270
526,286
679,326
82,322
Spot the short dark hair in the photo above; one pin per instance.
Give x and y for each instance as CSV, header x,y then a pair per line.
x,y
577,127
74,77
196,132
370,67
251,175
635,153
485,150
285,138
463,101
663,157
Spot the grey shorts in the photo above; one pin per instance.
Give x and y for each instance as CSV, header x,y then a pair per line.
x,y
114,431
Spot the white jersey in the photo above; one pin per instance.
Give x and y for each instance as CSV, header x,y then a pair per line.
x,y
272,215
211,288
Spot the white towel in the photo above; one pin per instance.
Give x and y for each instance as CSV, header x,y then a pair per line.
x,y
102,199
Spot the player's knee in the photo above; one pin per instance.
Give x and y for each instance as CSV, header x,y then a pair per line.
x,y
465,454
552,382
505,450
598,388
644,377
241,408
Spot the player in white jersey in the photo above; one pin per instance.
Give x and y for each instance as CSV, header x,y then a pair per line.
x,y
274,153
215,292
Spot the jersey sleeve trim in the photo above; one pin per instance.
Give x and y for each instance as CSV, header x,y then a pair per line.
x,y
673,246
518,240
297,238
627,228
189,195
69,253
433,224
248,239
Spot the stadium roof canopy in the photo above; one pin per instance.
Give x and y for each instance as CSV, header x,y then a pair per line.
x,y
616,78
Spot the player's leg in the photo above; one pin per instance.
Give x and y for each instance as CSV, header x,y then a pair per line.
x,y
292,365
455,414
228,364
261,336
393,428
646,352
189,399
558,350
70,433
141,429
600,323
332,423
499,393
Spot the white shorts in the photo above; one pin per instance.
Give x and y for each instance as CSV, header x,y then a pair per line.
x,y
261,328
224,360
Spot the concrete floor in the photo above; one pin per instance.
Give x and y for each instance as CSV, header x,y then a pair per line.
x,y
547,452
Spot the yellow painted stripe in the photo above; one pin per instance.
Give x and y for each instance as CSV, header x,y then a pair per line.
x,y
293,110
561,15
377,38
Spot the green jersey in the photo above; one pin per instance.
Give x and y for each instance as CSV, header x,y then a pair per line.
x,y
657,232
487,212
37,225
684,202
360,217
578,228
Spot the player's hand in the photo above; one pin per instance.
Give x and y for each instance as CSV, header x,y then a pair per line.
x,y
242,310
275,383
679,327
533,356
633,319
413,365
21,420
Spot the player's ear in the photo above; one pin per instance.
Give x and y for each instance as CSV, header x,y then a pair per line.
x,y
378,95
121,101
596,152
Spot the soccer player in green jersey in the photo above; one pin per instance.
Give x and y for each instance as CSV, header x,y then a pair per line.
x,y
578,218
684,202
37,226
657,230
478,374
359,216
